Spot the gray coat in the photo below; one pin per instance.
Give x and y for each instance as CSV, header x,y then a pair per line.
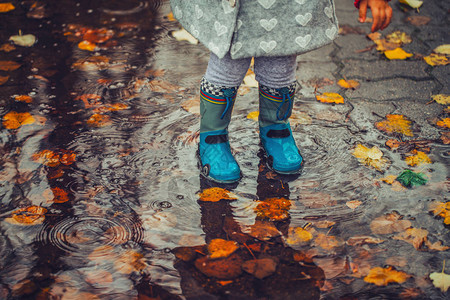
x,y
258,27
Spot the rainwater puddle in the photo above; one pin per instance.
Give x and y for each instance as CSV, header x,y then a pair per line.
x,y
100,188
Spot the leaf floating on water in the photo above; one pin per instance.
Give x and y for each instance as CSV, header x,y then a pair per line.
x,y
441,280
389,223
409,179
218,248
443,49
8,65
5,7
348,84
330,98
60,195
418,158
274,209
441,209
412,3
260,268
28,216
372,157
413,236
382,277
397,53
14,120
441,99
26,40
216,194
395,124
436,59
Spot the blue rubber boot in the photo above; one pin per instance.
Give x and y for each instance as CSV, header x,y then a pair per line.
x,y
275,108
216,105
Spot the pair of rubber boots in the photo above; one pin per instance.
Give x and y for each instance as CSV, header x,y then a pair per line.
x,y
275,107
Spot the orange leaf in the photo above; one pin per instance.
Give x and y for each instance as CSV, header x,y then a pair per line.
x,y
98,36
330,98
381,277
216,194
47,158
67,157
5,7
98,120
86,45
444,123
218,248
3,79
274,209
8,65
7,47
14,120
327,242
395,124
170,17
348,84
60,195
24,98
31,215
418,158
441,209
389,223
299,235
129,262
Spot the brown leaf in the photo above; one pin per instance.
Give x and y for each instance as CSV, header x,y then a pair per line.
x,y
8,65
7,47
361,240
263,230
418,20
436,246
223,268
60,195
188,253
389,223
382,277
274,209
260,268
218,248
413,236
327,242
3,79
353,204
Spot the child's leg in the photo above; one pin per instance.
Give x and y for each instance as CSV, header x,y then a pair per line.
x,y
217,94
276,77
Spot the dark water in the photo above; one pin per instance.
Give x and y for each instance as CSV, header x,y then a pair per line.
x,y
121,198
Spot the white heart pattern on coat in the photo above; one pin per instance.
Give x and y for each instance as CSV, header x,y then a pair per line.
x,y
235,48
302,41
328,11
213,47
238,25
266,3
300,1
331,32
194,31
227,7
268,46
268,24
220,29
303,19
198,12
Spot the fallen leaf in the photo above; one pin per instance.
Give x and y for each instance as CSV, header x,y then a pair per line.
x,y
372,157
397,53
130,261
31,215
183,35
441,280
8,65
5,7
382,277
436,59
444,123
374,36
298,235
398,37
99,120
97,35
260,268
263,230
170,17
418,20
412,3
353,204
442,49
347,29
3,79
99,62
389,179
445,137
330,98
222,268
192,105
418,158
23,98
389,223
436,246
348,84
274,209
327,242
188,253
413,236
395,124
60,195
441,209
14,120
86,45
254,115
441,99
361,240
219,248
216,194
409,179
26,40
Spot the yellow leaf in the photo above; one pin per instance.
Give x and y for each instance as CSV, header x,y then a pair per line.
x,y
412,3
418,158
14,120
5,7
443,49
395,124
330,98
370,156
398,37
327,242
436,59
218,248
389,179
216,194
253,115
397,53
441,99
381,277
444,123
28,216
298,235
441,209
25,40
441,280
348,84
86,45
170,17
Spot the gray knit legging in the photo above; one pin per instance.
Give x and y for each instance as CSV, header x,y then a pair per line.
x,y
275,72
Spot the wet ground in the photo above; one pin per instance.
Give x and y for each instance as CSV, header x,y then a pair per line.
x,y
100,190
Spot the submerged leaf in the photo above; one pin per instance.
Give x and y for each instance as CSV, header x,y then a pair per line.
x,y
398,37
444,123
395,124
298,235
216,194
32,215
14,120
382,277
414,236
441,280
218,248
8,65
418,158
409,179
330,98
327,242
23,98
3,79
389,223
370,156
260,268
274,209
223,268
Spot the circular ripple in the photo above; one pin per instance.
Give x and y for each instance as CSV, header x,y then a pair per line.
x,y
82,235
140,6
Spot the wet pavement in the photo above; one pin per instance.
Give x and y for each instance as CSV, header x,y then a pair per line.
x,y
101,193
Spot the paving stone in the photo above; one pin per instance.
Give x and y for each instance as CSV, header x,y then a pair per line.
x,y
351,45
321,55
310,72
442,74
